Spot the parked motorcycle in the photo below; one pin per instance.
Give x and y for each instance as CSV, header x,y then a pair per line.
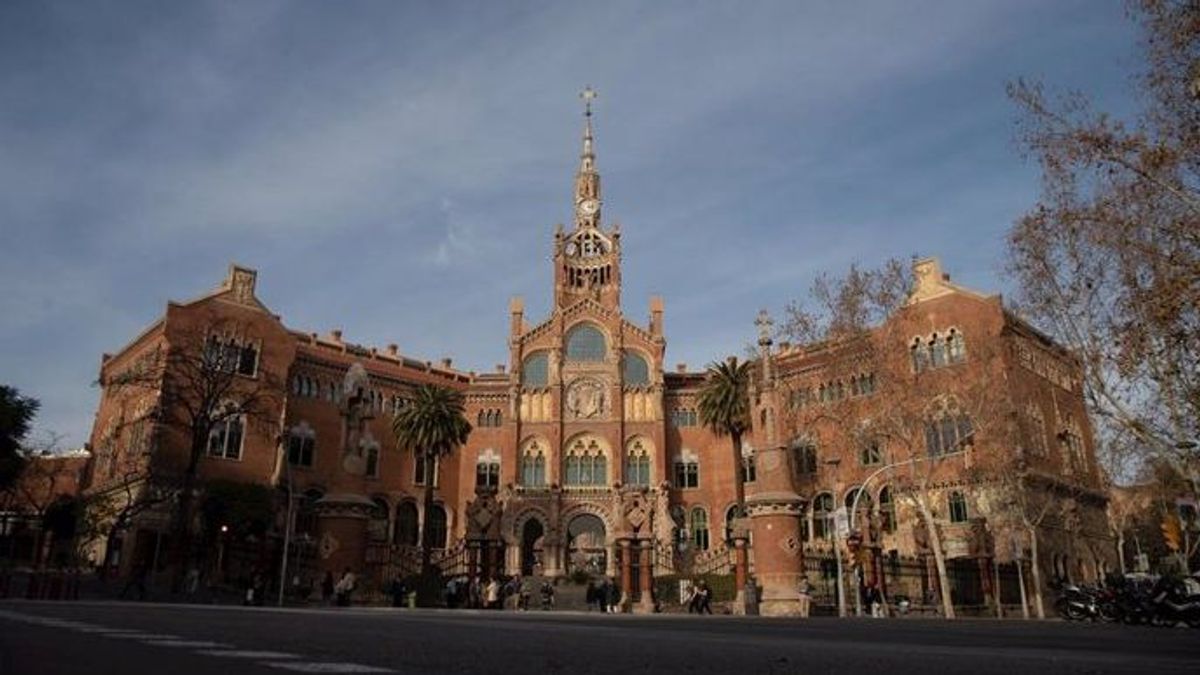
x,y
1172,604
1076,603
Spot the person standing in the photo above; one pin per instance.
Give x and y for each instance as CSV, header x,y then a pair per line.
x,y
398,591
613,597
590,596
705,594
492,594
804,590
327,589
345,588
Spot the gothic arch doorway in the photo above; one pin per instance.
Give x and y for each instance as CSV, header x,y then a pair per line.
x,y
586,548
531,546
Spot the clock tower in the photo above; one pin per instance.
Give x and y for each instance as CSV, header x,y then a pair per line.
x,y
587,260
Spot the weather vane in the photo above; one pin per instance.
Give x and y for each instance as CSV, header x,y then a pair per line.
x,y
587,95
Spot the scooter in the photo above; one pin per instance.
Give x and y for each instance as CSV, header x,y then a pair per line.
x,y
1076,604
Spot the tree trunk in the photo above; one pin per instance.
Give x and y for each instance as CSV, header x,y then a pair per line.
x,y
739,488
1121,550
1035,567
183,520
430,586
939,558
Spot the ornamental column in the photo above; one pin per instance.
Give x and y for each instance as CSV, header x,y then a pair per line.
x,y
645,576
774,507
626,573
342,532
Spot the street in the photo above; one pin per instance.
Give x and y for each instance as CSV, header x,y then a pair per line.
x,y
99,638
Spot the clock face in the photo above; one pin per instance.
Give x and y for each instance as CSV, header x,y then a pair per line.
x,y
589,206
572,248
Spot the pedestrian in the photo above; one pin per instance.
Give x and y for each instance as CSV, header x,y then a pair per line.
x,y
705,594
692,598
875,601
614,597
602,596
345,588
590,595
547,595
451,592
191,583
804,590
475,594
492,593
399,590
327,589
525,592
136,582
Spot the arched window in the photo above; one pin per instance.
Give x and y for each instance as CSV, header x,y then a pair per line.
x,y
637,373
425,469
487,469
731,515
687,471
749,468
947,430
1037,430
699,523
822,512
535,371
920,357
957,507
406,524
435,523
302,441
585,342
533,464
937,352
864,502
887,510
804,457
225,439
956,347
637,463
585,464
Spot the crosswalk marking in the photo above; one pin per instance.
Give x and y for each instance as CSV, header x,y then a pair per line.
x,y
314,667
198,644
246,654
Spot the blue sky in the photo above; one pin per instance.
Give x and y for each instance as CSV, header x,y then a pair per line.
x,y
395,169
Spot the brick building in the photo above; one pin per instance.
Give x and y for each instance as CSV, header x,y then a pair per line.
x,y
587,450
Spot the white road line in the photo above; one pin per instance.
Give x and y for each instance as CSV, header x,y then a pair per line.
x,y
143,636
197,644
312,667
246,654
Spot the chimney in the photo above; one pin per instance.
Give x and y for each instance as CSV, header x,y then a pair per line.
x,y
500,368
446,361
336,334
393,349
656,315
681,367
516,310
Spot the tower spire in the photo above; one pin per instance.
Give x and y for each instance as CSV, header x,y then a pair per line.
x,y
587,180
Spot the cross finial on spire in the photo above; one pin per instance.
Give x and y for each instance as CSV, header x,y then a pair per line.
x,y
764,323
587,95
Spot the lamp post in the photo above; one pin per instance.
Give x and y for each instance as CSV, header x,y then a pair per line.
x,y
854,507
287,530
837,550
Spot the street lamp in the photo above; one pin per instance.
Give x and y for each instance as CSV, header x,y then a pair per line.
x,y
858,495
837,550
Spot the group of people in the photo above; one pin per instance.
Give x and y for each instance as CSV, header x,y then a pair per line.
x,y
699,598
606,596
341,592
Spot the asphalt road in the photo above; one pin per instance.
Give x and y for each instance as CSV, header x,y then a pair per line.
x,y
127,638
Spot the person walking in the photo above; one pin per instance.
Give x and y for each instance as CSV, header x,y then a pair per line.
x,y
590,595
705,594
804,589
613,598
693,598
327,589
492,593
345,588
399,591
547,595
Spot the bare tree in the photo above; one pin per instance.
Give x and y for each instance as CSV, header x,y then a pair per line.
x,y
1108,260
874,399
210,392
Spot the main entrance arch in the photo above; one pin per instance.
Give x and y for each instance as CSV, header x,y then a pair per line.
x,y
531,546
586,548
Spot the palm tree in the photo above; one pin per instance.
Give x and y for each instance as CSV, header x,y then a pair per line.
x,y
431,424
724,407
